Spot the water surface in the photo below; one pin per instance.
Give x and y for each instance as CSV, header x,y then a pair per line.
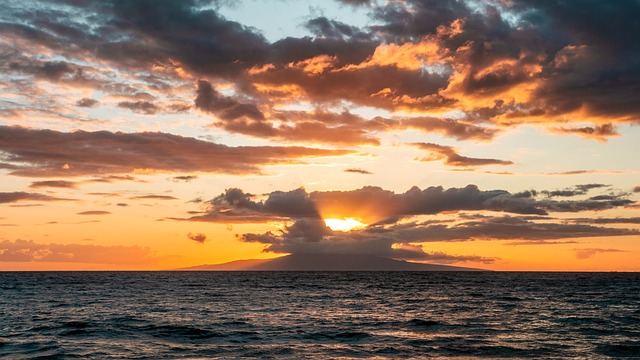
x,y
180,315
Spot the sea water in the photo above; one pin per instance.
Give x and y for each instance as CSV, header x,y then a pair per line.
x,y
308,315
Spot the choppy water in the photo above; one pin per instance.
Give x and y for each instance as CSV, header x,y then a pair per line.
x,y
297,315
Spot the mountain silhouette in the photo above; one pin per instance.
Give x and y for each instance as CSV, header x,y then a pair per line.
x,y
328,262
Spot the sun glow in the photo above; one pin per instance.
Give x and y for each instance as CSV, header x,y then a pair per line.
x,y
345,224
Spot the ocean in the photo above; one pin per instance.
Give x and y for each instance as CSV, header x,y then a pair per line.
x,y
318,315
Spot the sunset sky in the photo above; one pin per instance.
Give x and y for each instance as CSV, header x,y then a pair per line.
x,y
164,134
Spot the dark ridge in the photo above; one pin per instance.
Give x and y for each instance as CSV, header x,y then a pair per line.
x,y
328,262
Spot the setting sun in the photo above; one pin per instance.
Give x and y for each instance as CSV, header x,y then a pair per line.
x,y
345,224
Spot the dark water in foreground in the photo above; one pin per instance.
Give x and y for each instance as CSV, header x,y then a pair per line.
x,y
104,315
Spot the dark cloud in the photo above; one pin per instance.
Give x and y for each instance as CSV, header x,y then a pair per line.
x,y
328,28
201,39
183,178
540,242
575,191
582,172
374,204
236,206
357,171
30,251
153,197
587,253
370,203
498,228
94,212
54,184
311,236
74,184
597,132
198,237
450,128
224,107
53,153
497,64
452,158
143,107
355,2
112,178
582,205
87,102
387,236
307,236
618,220
636,189
11,197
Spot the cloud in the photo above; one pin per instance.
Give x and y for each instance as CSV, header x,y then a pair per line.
x,y
374,204
52,153
153,197
597,132
618,220
12,197
636,189
583,205
143,107
184,178
309,236
386,235
357,171
575,191
30,251
583,254
398,240
452,158
198,237
54,184
94,212
582,172
539,242
450,128
496,228
74,184
87,102
496,65
224,107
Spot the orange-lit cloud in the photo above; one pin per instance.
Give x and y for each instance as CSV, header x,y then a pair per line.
x,y
591,252
198,237
94,212
452,158
30,251
12,197
90,153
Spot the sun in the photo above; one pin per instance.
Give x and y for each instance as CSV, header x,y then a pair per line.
x,y
345,224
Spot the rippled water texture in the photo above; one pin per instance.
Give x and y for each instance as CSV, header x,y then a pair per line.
x,y
318,315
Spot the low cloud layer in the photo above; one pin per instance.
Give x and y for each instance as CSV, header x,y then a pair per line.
x,y
30,251
582,254
17,196
390,232
43,153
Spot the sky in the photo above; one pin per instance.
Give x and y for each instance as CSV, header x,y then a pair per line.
x,y
142,135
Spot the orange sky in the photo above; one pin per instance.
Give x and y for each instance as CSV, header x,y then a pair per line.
x,y
498,135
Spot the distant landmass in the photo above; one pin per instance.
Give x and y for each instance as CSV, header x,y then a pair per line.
x,y
327,262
